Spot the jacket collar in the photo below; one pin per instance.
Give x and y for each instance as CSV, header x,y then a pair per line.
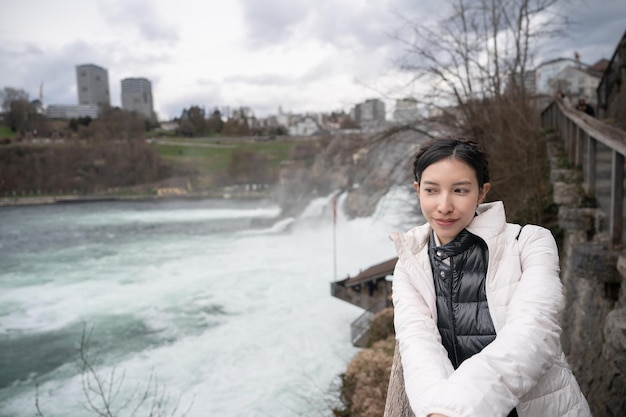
x,y
462,242
490,220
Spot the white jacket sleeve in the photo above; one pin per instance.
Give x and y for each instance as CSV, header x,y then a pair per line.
x,y
424,359
491,382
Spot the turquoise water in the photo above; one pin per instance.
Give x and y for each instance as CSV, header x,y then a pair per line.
x,y
231,317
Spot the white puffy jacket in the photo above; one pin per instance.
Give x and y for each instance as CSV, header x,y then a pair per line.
x,y
524,366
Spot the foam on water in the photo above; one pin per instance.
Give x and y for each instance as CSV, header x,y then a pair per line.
x,y
239,322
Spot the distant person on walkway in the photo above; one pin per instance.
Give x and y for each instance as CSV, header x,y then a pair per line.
x,y
477,300
564,99
586,107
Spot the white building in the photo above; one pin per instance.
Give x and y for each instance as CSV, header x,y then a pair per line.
x,y
92,84
549,70
306,126
62,111
283,119
137,96
576,83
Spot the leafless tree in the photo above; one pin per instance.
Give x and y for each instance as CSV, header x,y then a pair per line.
x,y
472,66
107,395
9,95
481,49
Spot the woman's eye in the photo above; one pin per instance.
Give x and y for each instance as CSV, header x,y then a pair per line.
x,y
461,191
429,190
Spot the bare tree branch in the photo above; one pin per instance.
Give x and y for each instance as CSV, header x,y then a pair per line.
x,y
106,396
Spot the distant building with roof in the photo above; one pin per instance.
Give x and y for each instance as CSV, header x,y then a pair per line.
x,y
92,84
64,111
578,82
306,125
137,96
549,70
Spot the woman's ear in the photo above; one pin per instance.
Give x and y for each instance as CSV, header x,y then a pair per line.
x,y
483,192
416,186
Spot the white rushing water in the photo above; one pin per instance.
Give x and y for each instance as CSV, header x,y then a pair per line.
x,y
232,319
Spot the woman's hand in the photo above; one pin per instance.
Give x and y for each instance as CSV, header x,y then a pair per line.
x,y
436,415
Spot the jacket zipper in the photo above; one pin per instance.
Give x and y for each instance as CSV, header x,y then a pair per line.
x,y
452,317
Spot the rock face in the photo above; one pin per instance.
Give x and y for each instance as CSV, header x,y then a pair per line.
x,y
363,166
594,317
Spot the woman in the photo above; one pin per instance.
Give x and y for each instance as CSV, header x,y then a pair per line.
x,y
477,300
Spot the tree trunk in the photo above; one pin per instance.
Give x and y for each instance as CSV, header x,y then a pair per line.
x,y
397,404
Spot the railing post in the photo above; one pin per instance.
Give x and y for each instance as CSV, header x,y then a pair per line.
x,y
397,404
571,142
579,146
590,163
555,118
617,198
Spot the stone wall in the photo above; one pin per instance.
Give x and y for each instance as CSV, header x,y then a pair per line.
x,y
594,278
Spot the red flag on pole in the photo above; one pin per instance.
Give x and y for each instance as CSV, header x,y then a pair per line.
x,y
335,237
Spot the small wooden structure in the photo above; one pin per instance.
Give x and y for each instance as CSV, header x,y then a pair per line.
x,y
371,290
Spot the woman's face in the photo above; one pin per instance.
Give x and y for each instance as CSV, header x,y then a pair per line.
x,y
448,196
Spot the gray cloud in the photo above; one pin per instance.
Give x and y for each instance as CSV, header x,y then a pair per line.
x,y
315,73
55,70
271,21
360,32
30,66
594,30
141,15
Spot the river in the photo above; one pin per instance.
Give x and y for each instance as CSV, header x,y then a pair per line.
x,y
230,317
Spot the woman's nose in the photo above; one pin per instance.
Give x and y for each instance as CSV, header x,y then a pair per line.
x,y
445,204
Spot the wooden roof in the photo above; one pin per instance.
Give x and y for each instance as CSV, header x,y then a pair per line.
x,y
373,273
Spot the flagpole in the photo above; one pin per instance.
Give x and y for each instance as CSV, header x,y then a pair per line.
x,y
335,237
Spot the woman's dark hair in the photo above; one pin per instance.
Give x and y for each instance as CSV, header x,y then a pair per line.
x,y
465,150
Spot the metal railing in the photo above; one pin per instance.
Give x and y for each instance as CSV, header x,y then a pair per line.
x,y
581,135
361,326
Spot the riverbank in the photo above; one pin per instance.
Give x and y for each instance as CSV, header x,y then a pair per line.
x,y
232,192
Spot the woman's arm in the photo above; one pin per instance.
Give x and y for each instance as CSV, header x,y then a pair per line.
x,y
492,381
424,359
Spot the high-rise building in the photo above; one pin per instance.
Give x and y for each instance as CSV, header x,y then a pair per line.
x,y
406,110
93,85
370,114
137,96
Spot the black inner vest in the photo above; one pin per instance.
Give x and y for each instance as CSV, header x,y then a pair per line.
x,y
462,312
460,272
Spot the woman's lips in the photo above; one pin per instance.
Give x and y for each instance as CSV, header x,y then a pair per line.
x,y
445,222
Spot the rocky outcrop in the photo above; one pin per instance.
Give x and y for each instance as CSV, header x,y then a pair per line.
x,y
364,166
594,317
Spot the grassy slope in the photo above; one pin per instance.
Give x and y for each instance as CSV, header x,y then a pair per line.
x,y
210,157
5,132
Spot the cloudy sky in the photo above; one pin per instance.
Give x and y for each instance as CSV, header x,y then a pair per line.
x,y
303,55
